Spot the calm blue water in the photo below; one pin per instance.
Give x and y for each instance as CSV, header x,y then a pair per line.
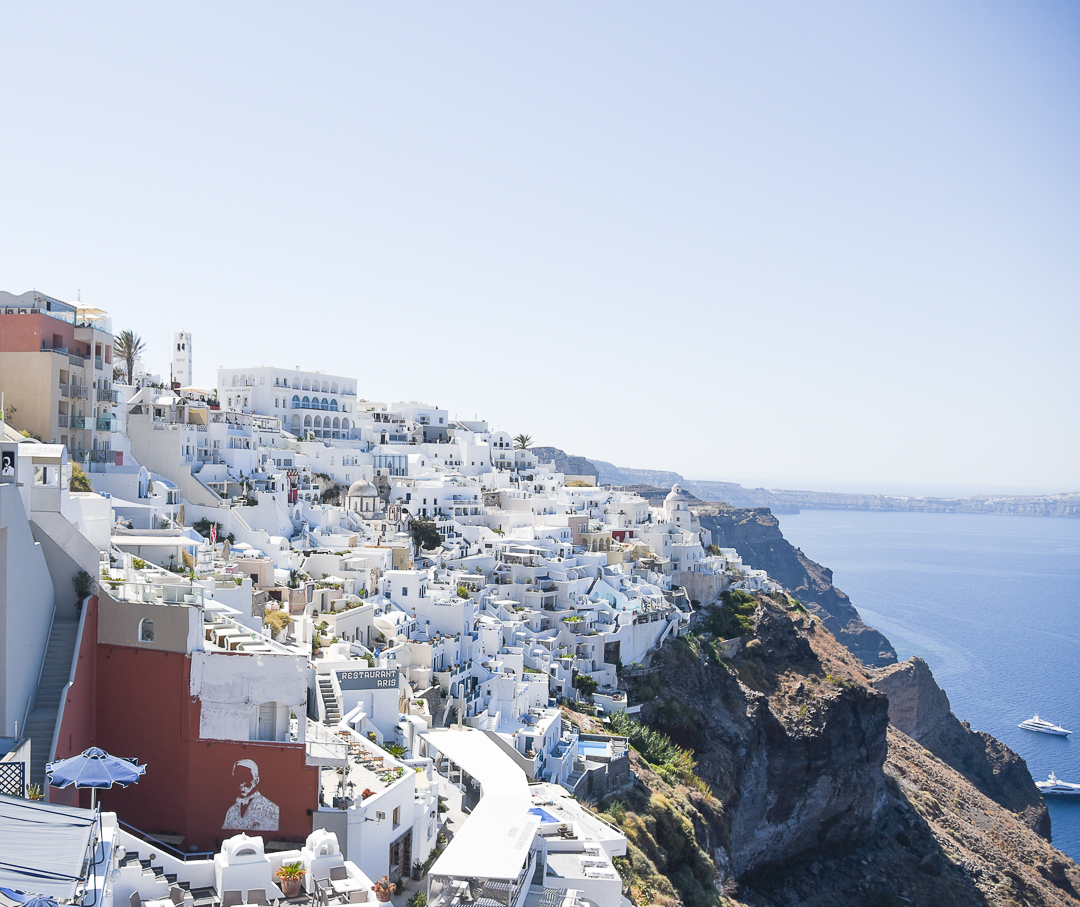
x,y
993,605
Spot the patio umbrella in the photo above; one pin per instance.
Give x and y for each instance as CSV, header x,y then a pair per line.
x,y
96,769
40,900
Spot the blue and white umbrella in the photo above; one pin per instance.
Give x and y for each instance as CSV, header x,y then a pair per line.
x,y
96,769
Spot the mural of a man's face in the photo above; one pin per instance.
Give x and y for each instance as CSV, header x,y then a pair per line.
x,y
246,779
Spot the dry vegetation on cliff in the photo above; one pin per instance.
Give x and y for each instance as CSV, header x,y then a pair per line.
x,y
801,793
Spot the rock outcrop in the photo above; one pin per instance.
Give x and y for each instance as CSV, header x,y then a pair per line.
x,y
920,708
823,801
755,535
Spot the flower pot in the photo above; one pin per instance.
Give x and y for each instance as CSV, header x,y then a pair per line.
x,y
291,887
417,873
383,896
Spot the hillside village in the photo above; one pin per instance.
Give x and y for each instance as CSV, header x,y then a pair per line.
x,y
337,632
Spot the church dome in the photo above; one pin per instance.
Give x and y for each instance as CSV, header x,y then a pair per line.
x,y
362,489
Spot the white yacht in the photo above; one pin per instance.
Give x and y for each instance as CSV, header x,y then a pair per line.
x,y
1043,727
1052,787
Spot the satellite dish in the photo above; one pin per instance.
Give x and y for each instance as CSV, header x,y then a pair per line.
x,y
180,516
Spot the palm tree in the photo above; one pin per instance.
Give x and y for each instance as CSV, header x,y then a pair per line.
x,y
522,442
128,347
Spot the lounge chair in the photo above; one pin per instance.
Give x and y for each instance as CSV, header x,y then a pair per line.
x,y
232,897
338,873
257,896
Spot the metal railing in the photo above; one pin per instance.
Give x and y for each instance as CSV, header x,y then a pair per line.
x,y
80,391
108,394
165,846
63,389
62,420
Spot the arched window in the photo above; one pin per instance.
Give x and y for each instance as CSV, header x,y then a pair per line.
x,y
333,406
325,403
307,421
345,423
295,401
146,630
307,385
295,422
333,387
337,423
325,387
306,402
318,421
234,380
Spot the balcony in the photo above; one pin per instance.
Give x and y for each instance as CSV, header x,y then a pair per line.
x,y
107,395
63,389
95,456
80,392
98,363
62,420
107,424
78,422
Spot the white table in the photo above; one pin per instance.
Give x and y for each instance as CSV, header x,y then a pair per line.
x,y
344,886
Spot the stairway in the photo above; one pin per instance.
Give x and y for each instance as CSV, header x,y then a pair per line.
x,y
330,703
41,723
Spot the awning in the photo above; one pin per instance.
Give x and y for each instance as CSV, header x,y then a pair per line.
x,y
43,846
494,842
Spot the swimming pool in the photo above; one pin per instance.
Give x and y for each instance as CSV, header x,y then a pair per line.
x,y
544,815
593,748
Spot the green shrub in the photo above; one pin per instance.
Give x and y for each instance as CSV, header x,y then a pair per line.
x,y
732,616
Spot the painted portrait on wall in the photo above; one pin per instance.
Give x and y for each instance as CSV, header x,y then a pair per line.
x,y
251,811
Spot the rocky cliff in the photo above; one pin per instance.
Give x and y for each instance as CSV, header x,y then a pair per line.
x,y
755,534
920,708
806,795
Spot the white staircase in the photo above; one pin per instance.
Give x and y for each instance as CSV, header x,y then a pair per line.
x,y
41,724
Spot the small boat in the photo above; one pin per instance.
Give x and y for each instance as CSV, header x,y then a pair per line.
x,y
1052,787
1043,727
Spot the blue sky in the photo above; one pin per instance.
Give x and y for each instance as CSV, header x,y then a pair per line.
x,y
828,245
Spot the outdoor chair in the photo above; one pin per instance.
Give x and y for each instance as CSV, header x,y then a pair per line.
x,y
257,896
338,873
177,895
232,897
136,901
357,897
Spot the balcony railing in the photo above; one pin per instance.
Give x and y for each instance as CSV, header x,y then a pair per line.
x,y
325,407
62,420
108,395
108,425
80,391
97,362
63,389
94,456
78,422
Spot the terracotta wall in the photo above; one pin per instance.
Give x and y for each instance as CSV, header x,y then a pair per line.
x,y
24,333
144,710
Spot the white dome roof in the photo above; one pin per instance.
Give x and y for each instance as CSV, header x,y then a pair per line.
x,y
362,489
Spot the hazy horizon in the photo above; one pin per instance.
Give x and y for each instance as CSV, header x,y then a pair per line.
x,y
736,240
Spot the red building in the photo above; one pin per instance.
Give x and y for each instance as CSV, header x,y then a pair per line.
x,y
209,710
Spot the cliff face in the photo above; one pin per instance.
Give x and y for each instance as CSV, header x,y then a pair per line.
x,y
822,801
755,534
920,708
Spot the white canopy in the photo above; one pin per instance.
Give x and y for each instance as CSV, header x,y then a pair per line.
x,y
43,846
494,842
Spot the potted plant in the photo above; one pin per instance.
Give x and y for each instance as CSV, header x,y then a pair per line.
x,y
383,889
290,876
417,871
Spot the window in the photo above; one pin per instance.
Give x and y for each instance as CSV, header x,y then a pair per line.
x,y
404,592
146,630
397,816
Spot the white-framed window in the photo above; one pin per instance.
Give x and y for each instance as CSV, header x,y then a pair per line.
x,y
146,630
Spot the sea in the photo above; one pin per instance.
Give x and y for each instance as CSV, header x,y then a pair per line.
x,y
992,603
